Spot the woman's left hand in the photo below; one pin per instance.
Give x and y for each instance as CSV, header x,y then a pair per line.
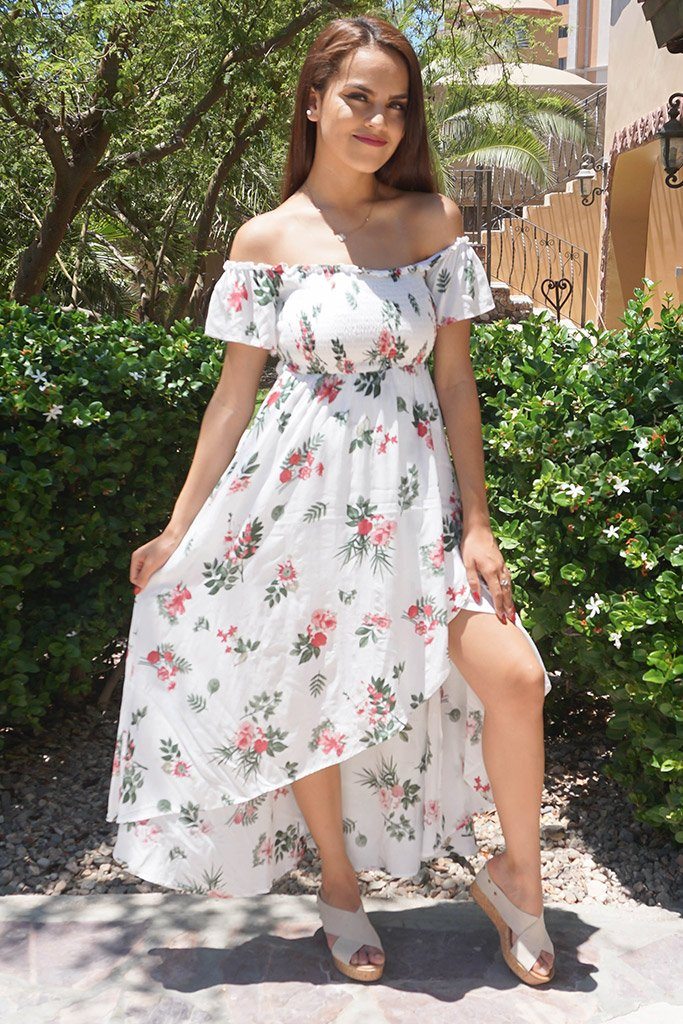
x,y
481,554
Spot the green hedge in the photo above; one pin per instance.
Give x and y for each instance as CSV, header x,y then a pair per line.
x,y
582,436
98,424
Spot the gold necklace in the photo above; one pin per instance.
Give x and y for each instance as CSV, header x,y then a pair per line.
x,y
341,235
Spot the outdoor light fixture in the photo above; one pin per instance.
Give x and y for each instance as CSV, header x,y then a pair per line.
x,y
587,175
671,138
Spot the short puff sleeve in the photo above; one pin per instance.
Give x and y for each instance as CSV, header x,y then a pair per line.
x,y
458,284
242,305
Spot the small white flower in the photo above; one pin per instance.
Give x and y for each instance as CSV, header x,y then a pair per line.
x,y
135,375
615,638
621,485
595,603
641,444
505,444
73,632
611,531
54,412
656,467
78,421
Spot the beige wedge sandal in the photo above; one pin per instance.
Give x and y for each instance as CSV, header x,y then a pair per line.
x,y
532,937
353,930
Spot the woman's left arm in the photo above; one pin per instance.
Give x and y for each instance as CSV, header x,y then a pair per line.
x,y
456,391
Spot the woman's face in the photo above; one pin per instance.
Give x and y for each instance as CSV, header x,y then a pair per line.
x,y
369,98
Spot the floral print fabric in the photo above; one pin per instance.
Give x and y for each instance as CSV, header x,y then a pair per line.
x,y
303,619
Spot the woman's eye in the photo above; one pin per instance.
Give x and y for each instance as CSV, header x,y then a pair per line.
x,y
360,96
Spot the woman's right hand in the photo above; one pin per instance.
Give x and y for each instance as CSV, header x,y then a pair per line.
x,y
149,557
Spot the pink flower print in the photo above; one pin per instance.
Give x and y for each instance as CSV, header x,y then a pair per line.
x,y
245,735
328,389
273,397
364,527
286,571
324,619
181,769
309,457
455,593
331,743
266,849
397,791
237,296
175,603
320,469
430,812
318,639
385,800
285,476
280,791
386,438
238,818
479,786
206,828
305,472
386,344
437,554
383,531
150,833
153,657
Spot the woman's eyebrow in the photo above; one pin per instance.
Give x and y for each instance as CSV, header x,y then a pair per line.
x,y
357,85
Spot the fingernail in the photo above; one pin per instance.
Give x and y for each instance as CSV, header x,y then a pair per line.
x,y
476,596
512,615
136,590
503,619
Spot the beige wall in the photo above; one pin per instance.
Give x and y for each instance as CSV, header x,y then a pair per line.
x,y
645,229
641,76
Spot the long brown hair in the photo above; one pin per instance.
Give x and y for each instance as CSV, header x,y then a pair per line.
x,y
410,167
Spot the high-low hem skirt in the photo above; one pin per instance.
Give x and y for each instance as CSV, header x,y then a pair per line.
x,y
229,696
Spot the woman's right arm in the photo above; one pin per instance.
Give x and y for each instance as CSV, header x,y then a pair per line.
x,y
225,419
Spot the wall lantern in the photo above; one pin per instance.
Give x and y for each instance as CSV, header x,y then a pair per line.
x,y
671,139
587,175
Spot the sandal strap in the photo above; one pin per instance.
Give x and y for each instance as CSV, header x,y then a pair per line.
x,y
352,928
532,936
529,945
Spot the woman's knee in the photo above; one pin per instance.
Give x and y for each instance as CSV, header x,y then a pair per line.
x,y
525,684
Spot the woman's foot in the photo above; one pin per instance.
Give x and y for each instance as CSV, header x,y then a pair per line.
x,y
341,890
526,892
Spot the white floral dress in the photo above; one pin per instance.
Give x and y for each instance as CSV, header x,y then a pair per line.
x,y
303,619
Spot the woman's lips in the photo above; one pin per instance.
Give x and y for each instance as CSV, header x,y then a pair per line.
x,y
370,142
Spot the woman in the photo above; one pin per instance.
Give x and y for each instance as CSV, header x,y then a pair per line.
x,y
306,658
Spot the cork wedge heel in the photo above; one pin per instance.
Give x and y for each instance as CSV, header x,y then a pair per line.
x,y
353,930
532,937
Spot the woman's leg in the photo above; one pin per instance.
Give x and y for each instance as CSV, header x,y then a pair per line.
x,y
319,798
498,663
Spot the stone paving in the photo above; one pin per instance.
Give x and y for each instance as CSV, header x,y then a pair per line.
x,y
176,959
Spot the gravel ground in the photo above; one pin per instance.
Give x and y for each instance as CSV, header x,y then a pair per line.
x,y
53,796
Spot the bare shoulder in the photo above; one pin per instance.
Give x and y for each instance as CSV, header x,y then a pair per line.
x,y
436,220
257,238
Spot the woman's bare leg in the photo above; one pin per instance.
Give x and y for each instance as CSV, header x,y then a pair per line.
x,y
500,666
319,798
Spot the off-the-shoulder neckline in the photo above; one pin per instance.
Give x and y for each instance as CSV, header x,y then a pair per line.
x,y
353,267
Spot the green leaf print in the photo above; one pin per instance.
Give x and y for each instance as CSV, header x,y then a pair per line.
x,y
213,881
372,536
317,684
138,715
315,511
408,488
370,383
469,275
